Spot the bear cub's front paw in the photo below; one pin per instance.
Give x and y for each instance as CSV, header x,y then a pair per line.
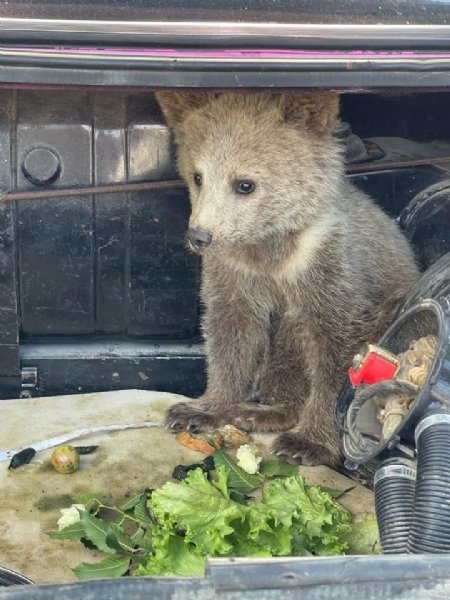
x,y
292,445
193,416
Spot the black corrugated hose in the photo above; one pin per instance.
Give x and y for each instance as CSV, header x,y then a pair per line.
x,y
394,485
430,526
413,509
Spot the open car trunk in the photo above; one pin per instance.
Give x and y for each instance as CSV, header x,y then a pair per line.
x,y
97,290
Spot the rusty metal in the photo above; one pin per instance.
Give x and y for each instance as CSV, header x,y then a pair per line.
x,y
114,188
395,164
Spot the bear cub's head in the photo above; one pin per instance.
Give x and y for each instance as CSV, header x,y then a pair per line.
x,y
258,166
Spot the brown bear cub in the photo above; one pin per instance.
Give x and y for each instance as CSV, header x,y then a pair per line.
x,y
299,267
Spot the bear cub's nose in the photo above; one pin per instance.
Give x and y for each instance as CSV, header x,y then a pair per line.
x,y
198,239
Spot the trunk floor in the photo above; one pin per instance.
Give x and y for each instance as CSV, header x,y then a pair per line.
x,y
125,463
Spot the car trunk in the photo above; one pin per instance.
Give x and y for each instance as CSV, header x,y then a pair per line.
x,y
97,290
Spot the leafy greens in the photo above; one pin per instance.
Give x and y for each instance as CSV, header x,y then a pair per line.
x,y
173,530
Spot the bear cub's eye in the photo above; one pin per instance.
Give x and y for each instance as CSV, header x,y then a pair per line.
x,y
197,179
244,187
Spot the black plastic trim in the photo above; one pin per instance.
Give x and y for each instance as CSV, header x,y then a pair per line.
x,y
214,77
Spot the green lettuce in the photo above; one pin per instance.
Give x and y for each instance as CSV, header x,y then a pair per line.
x,y
364,537
197,518
175,529
173,556
303,519
202,510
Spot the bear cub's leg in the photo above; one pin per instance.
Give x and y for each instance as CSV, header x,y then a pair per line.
x,y
280,386
237,335
315,439
295,389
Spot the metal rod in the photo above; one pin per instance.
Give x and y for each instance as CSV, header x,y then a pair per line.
x,y
368,167
114,188
142,186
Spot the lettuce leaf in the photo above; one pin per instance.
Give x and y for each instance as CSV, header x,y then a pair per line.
x,y
195,517
290,519
202,509
315,521
302,519
173,556
184,523
364,537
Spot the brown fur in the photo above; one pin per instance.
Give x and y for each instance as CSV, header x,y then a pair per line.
x,y
299,273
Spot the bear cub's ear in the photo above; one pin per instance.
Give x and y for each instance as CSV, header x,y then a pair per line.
x,y
177,105
317,110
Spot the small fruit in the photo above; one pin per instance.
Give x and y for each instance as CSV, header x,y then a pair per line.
x,y
66,459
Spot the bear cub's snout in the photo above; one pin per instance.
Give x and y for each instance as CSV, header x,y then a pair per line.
x,y
198,239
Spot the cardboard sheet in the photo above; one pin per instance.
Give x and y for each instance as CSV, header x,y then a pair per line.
x,y
125,463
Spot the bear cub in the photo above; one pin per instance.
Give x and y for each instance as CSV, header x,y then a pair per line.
x,y
299,268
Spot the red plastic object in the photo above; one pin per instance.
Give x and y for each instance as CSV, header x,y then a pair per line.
x,y
377,365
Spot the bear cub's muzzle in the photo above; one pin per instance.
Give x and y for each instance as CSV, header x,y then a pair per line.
x,y
198,239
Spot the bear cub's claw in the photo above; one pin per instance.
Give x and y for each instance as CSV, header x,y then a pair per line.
x,y
293,446
192,417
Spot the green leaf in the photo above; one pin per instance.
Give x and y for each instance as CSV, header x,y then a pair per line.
x,y
277,468
364,537
73,532
138,536
131,502
110,567
238,497
307,519
117,540
201,508
174,557
184,523
147,542
141,511
325,523
95,530
238,479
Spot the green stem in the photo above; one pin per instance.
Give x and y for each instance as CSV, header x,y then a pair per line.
x,y
117,510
